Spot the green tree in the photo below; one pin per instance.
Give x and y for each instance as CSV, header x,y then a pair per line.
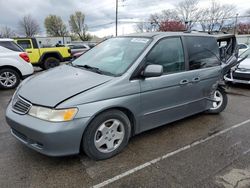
x,y
55,27
78,27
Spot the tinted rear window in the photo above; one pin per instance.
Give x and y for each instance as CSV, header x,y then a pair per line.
x,y
25,44
203,52
11,46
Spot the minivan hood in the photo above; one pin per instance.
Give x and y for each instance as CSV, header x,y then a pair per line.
x,y
58,84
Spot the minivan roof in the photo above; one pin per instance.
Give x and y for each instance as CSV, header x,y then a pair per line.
x,y
164,34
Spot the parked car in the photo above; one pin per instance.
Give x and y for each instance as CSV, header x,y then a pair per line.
x,y
77,55
242,48
44,57
78,49
92,44
240,73
14,64
121,87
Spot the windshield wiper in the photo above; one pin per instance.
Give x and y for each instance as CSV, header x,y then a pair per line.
x,y
94,69
88,67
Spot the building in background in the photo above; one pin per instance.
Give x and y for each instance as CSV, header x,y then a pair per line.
x,y
245,39
53,41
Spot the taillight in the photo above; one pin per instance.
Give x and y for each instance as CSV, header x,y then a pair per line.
x,y
25,57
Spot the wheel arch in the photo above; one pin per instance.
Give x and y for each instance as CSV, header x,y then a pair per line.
x,y
126,111
13,68
51,54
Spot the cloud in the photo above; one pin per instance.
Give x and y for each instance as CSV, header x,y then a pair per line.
x,y
100,14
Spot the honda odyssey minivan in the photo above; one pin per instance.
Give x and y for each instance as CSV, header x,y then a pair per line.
x,y
121,87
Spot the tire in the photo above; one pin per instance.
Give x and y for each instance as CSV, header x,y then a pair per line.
x,y
106,135
50,62
9,78
221,102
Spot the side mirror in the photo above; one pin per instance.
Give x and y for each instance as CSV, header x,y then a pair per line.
x,y
152,71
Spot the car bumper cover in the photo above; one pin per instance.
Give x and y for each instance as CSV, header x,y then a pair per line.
x,y
49,138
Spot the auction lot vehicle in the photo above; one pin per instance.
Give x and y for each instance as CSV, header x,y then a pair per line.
x,y
44,57
78,49
240,73
14,64
134,83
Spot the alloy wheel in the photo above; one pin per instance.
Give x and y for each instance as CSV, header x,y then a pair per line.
x,y
8,79
218,100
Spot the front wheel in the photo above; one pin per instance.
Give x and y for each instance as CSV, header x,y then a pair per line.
x,y
106,135
220,101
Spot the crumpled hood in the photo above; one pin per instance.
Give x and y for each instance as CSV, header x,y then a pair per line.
x,y
58,84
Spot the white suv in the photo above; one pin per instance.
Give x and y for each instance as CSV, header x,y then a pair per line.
x,y
14,64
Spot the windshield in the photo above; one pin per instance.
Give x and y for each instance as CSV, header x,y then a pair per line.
x,y
113,56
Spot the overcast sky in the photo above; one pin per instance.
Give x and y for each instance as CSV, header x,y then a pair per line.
x,y
100,14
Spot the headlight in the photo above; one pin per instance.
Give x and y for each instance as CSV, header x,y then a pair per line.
x,y
53,114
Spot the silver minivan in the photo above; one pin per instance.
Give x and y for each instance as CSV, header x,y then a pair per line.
x,y
121,87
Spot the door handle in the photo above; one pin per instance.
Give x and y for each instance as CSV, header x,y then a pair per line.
x,y
184,82
29,52
195,80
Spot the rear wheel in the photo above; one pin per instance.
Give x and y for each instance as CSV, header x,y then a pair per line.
x,y
220,101
106,135
50,62
9,78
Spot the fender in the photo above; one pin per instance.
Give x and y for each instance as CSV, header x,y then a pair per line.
x,y
10,62
222,85
50,53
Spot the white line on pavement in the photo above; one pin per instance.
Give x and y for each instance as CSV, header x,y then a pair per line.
x,y
133,170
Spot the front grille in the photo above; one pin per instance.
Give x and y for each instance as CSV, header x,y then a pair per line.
x,y
20,106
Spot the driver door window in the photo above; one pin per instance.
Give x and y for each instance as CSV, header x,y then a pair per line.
x,y
168,53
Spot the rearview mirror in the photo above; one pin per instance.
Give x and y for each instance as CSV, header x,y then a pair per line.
x,y
153,71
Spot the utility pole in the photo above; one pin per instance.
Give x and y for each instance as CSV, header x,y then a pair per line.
x,y
116,17
236,22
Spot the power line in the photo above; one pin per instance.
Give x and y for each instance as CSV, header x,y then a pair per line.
x,y
100,25
149,22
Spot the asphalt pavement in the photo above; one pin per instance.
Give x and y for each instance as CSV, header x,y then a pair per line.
x,y
199,151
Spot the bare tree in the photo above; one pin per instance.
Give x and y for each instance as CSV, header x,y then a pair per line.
x,y
6,32
142,27
54,26
215,16
77,25
172,26
29,26
189,12
165,16
243,28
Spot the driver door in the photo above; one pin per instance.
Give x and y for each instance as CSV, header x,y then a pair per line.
x,y
171,96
